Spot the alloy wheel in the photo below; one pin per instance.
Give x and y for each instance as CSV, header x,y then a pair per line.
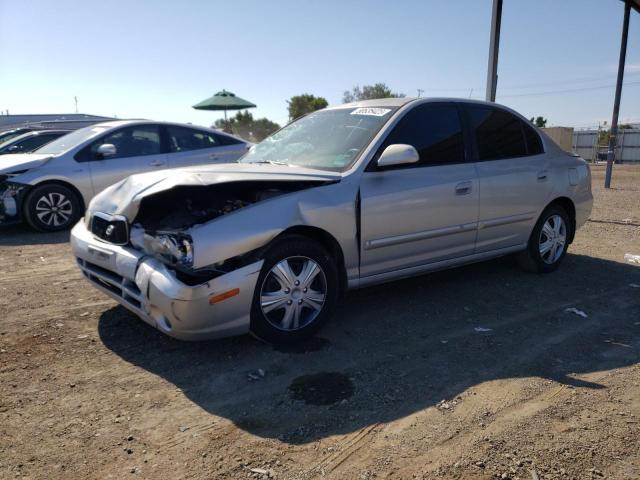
x,y
293,293
54,209
553,237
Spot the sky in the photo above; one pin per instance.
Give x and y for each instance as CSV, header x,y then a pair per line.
x,y
155,59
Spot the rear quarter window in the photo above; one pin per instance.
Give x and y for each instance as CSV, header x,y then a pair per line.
x,y
534,144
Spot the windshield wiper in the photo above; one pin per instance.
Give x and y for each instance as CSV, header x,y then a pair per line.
x,y
272,162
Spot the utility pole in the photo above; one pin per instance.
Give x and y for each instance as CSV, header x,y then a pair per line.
x,y
420,92
611,151
76,100
494,44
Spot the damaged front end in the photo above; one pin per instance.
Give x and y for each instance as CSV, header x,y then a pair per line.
x,y
151,289
162,226
183,207
11,196
188,285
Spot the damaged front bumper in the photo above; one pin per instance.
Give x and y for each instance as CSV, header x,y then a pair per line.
x,y
150,289
11,195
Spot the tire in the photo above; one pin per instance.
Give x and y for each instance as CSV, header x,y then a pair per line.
x,y
295,311
52,207
548,242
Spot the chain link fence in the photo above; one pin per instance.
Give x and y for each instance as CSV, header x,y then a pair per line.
x,y
592,145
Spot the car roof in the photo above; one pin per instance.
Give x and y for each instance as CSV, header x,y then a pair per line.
x,y
378,102
124,123
401,101
34,133
17,129
50,130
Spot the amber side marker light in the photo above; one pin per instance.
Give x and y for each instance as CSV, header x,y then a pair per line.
x,y
223,296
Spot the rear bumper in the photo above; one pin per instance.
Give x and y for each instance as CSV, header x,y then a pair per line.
x,y
583,210
149,289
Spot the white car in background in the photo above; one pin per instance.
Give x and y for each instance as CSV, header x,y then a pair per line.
x,y
50,187
30,141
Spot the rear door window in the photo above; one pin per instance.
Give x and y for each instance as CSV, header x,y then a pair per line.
x,y
226,140
498,133
182,139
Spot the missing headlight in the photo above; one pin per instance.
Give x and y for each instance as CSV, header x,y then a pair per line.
x,y
177,248
174,248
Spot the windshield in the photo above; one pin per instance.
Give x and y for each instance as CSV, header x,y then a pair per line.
x,y
70,140
326,139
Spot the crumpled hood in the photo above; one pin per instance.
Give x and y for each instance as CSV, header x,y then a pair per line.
x,y
123,198
22,161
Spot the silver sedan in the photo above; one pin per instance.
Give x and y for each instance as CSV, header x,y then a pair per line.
x,y
50,187
342,198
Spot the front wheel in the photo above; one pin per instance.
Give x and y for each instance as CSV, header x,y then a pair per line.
x,y
547,245
52,207
296,292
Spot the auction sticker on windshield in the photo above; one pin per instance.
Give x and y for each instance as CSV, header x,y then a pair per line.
x,y
376,112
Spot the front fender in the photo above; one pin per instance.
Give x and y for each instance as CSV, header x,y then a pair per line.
x,y
330,208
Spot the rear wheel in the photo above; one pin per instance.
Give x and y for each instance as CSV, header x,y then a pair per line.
x,y
548,242
52,207
296,292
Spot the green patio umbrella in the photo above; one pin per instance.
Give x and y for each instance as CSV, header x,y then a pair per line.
x,y
224,101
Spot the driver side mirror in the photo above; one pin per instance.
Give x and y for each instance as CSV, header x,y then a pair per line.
x,y
106,150
398,154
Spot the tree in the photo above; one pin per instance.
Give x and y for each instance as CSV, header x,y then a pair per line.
x,y
306,103
539,122
245,126
369,92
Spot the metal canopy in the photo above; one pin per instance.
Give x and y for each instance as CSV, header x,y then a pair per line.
x,y
494,44
492,71
613,134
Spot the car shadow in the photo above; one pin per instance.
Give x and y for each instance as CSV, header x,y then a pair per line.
x,y
395,349
17,235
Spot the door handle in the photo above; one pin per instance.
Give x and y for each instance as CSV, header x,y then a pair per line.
x,y
157,163
542,175
213,156
463,188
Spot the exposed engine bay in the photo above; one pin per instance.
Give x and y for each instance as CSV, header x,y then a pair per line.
x,y
161,227
185,206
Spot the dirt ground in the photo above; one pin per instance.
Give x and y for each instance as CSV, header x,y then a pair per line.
x,y
399,385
